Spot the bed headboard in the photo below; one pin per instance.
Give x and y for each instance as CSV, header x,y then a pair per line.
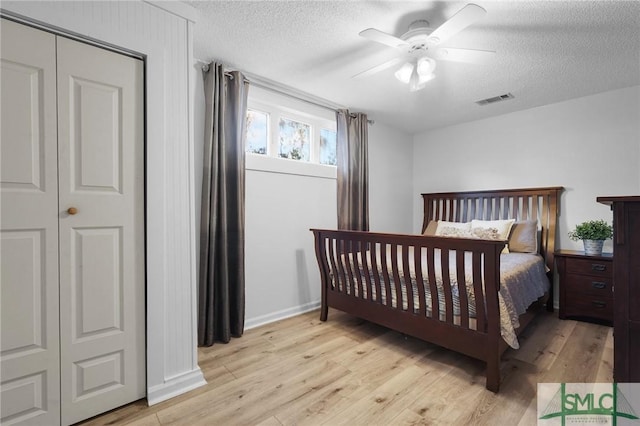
x,y
541,204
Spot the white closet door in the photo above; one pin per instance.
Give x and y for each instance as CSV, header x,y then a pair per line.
x,y
101,175
29,357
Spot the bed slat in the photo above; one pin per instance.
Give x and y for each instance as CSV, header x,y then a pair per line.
x,y
433,290
385,274
407,278
462,288
417,261
481,318
376,276
446,286
396,276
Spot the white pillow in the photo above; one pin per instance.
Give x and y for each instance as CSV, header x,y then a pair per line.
x,y
502,226
444,228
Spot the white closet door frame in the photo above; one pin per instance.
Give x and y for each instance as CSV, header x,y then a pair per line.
x,y
77,279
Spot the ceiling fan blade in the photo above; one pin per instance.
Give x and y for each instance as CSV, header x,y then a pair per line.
x,y
458,22
378,68
470,56
382,37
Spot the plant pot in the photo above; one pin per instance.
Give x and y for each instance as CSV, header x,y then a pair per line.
x,y
593,247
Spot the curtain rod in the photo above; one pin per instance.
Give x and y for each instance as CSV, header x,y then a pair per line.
x,y
283,90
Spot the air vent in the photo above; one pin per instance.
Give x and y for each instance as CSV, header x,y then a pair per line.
x,y
495,99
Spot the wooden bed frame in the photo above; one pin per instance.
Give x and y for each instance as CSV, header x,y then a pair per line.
x,y
349,277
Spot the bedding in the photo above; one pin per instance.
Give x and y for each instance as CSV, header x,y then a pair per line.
x,y
522,277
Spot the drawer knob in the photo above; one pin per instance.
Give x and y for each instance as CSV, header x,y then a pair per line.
x,y
599,304
598,284
598,267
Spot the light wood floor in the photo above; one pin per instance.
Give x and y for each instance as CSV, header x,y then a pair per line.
x,y
301,371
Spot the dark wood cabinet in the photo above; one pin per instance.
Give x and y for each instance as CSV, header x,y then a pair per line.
x,y
626,280
586,285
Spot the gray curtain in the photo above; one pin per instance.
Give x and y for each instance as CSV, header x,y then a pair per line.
x,y
353,171
221,281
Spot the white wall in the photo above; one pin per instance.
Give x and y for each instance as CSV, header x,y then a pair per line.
x,y
590,145
282,277
390,176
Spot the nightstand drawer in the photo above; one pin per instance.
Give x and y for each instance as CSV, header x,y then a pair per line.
x,y
589,267
589,306
591,285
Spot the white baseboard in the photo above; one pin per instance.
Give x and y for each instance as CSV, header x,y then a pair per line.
x,y
176,386
279,315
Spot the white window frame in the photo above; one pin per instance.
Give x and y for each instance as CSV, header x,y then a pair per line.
x,y
281,106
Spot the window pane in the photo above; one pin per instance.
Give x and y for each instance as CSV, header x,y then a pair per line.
x,y
328,147
294,140
257,132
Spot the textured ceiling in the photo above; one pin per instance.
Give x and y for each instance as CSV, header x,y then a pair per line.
x,y
546,52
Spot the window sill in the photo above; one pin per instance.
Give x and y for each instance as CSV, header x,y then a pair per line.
x,y
263,163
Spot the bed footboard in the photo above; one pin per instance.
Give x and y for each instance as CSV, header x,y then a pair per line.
x,y
441,290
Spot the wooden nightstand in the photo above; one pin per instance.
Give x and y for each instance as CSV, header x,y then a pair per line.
x,y
586,285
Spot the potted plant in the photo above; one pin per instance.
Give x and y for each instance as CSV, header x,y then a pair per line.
x,y
592,233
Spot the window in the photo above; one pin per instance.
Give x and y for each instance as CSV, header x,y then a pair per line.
x,y
295,140
328,147
257,132
282,127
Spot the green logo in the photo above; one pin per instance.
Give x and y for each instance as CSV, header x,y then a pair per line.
x,y
588,406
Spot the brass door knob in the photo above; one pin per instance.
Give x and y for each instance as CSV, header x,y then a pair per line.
x,y
72,210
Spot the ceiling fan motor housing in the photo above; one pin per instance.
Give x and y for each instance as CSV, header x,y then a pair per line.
x,y
418,35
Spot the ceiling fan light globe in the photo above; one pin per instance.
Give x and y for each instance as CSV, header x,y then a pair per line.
x,y
426,66
404,73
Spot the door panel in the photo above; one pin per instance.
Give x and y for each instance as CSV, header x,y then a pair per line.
x,y
22,91
100,143
29,357
23,281
96,287
97,108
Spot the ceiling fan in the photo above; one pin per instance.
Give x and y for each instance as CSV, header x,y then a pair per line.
x,y
420,47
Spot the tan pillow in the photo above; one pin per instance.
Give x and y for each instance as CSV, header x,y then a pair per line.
x,y
524,237
431,228
503,228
